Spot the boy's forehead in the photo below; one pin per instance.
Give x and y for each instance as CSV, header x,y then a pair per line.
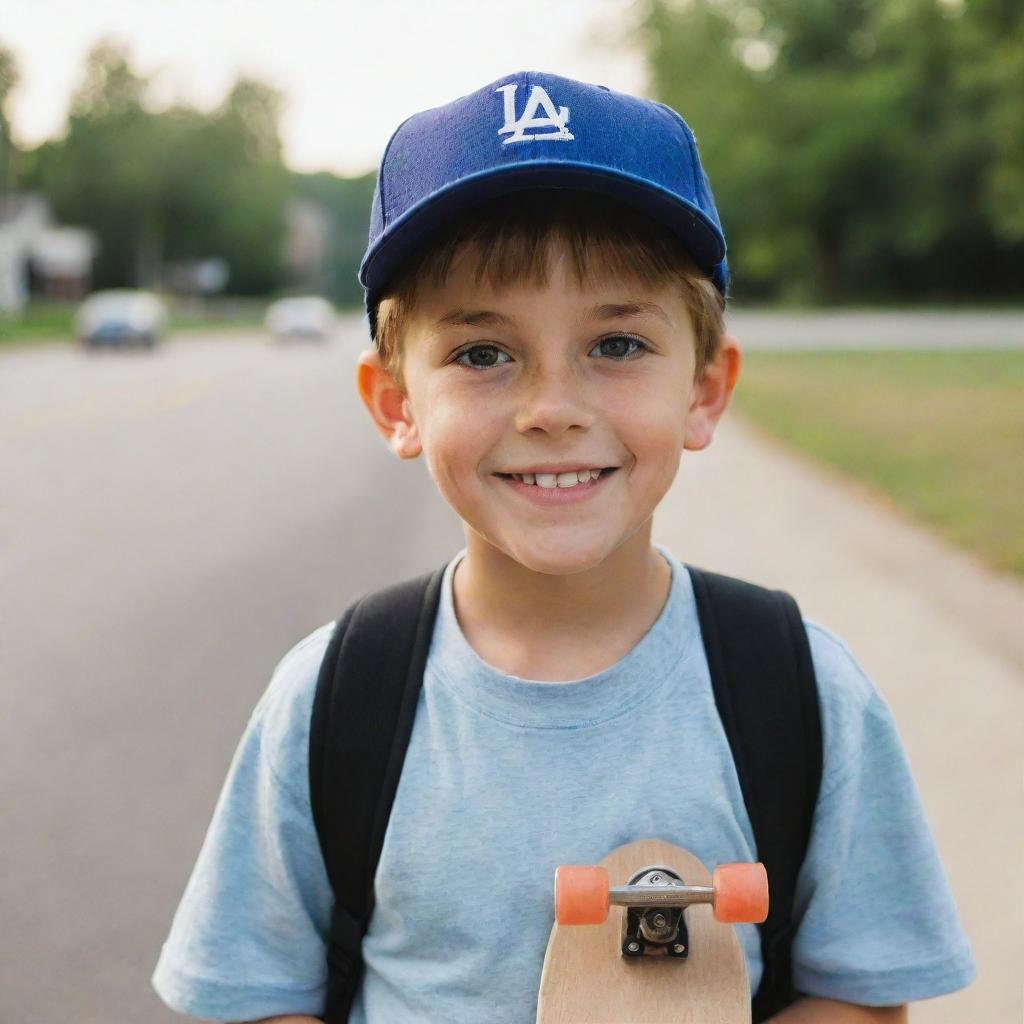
x,y
481,315
464,301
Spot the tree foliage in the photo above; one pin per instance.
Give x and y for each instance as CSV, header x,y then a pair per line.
x,y
8,80
858,150
347,201
178,184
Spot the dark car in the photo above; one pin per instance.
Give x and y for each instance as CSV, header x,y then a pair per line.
x,y
121,317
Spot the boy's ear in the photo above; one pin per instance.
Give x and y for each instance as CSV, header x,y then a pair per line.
x,y
387,404
710,395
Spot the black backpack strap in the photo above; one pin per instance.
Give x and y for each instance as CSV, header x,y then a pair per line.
x,y
763,679
363,714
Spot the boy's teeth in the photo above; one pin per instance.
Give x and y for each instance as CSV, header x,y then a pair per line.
x,y
552,480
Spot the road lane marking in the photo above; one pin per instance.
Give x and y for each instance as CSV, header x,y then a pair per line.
x,y
108,407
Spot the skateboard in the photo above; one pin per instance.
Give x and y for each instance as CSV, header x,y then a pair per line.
x,y
622,950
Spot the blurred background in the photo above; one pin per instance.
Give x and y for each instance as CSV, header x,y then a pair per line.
x,y
187,486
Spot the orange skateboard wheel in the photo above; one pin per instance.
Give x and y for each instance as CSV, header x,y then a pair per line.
x,y
741,893
581,894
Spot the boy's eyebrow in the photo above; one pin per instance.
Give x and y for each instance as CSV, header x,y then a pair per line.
x,y
607,311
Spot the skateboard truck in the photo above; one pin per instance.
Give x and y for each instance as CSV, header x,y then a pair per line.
x,y
624,968
655,929
655,899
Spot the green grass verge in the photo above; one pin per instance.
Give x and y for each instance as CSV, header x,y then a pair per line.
x,y
39,321
55,321
941,432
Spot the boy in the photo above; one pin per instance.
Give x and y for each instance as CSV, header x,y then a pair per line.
x,y
545,284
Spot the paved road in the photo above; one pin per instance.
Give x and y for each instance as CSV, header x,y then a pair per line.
x,y
171,523
170,526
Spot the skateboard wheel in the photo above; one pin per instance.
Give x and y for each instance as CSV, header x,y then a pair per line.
x,y
581,895
741,893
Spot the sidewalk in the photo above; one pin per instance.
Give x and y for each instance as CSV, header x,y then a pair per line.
x,y
863,329
940,635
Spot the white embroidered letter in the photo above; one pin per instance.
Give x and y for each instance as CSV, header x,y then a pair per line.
x,y
554,119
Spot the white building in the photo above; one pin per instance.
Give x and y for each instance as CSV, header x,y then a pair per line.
x,y
34,252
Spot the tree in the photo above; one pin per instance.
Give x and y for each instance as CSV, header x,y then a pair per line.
x,y
245,131
9,79
106,172
857,150
348,201
177,184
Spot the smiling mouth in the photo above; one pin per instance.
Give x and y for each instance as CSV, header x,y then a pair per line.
x,y
550,481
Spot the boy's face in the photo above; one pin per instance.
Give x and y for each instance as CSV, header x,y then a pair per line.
x,y
561,382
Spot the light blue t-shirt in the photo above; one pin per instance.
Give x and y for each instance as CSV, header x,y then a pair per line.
x,y
507,778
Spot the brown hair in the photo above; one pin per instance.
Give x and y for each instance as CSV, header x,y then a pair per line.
x,y
512,236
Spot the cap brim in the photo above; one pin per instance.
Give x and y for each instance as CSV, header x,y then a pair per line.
x,y
701,237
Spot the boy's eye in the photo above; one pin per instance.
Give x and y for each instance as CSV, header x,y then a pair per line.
x,y
480,357
618,347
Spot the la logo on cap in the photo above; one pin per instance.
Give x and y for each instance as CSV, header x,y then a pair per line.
x,y
556,119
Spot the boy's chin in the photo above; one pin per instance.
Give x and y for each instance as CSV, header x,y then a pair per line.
x,y
566,559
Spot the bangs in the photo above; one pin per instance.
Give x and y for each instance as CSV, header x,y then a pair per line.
x,y
510,241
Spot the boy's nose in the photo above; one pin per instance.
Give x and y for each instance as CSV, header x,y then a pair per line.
x,y
553,401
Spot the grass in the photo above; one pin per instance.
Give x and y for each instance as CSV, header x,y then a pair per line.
x,y
54,321
39,321
941,432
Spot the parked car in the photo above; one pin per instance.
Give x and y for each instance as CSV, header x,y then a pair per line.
x,y
300,316
121,316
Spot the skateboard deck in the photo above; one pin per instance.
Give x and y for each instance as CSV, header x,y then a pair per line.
x,y
587,977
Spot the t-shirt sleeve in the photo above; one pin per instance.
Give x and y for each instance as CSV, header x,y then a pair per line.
x,y
248,938
878,925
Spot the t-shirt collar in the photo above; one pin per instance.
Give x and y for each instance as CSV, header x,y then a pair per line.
x,y
581,703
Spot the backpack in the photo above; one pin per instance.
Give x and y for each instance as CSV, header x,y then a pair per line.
x,y
365,703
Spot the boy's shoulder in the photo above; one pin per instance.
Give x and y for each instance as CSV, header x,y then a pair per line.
x,y
282,714
840,676
856,721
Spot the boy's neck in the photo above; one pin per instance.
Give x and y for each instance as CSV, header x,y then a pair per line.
x,y
558,628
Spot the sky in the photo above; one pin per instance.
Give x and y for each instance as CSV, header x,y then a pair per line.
x,y
350,72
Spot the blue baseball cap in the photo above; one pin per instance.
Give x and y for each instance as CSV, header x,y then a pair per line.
x,y
530,130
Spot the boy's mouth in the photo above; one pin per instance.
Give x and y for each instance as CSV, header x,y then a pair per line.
x,y
564,480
